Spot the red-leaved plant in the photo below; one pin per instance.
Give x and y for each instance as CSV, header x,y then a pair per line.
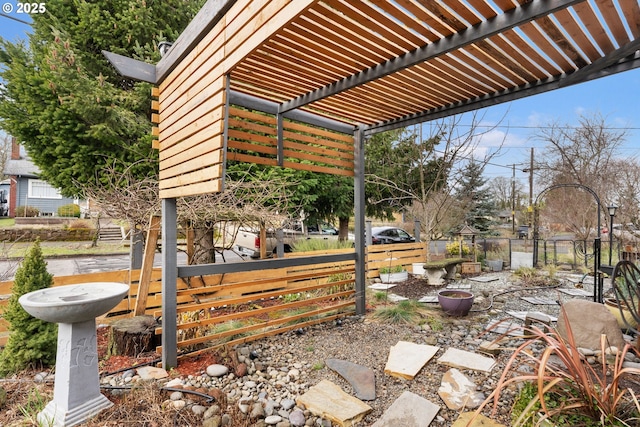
x,y
578,387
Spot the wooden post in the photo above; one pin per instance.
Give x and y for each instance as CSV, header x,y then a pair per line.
x,y
147,265
263,241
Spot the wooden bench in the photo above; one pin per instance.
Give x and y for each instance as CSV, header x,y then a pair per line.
x,y
437,271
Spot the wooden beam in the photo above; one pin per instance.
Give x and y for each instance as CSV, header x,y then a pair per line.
x,y
147,265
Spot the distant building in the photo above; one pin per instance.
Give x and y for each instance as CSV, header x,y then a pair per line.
x,y
27,189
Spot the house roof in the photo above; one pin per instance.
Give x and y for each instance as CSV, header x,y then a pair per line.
x,y
392,63
21,167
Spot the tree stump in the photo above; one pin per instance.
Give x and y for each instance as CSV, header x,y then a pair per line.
x,y
132,336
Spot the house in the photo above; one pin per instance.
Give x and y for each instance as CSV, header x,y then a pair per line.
x,y
27,189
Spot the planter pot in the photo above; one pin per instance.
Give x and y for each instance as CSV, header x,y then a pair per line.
x,y
612,305
494,264
417,269
455,302
394,277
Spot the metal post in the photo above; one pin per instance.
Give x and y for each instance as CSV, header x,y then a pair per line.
x,y
169,283
359,201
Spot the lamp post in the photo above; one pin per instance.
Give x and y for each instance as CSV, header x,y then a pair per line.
x,y
612,212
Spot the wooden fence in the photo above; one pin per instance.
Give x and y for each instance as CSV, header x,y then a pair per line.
x,y
230,308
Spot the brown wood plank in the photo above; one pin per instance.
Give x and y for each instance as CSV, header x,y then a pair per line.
x,y
211,94
213,123
566,19
484,8
523,61
155,92
212,110
611,17
324,133
517,73
594,27
147,265
271,323
255,127
211,186
208,174
253,116
247,158
252,138
290,155
531,53
316,168
322,151
210,149
199,162
246,146
211,135
631,11
261,28
533,32
558,37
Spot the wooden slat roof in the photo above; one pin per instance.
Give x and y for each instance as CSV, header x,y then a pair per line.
x,y
387,63
382,64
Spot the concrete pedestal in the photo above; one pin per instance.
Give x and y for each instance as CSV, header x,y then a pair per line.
x,y
76,393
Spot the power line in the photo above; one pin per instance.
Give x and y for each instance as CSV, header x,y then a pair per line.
x,y
15,19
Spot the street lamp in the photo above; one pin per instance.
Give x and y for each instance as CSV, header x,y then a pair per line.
x,y
612,212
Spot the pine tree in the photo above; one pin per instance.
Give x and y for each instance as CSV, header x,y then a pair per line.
x,y
32,342
477,197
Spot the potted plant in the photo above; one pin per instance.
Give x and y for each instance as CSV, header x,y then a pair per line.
x,y
393,274
455,302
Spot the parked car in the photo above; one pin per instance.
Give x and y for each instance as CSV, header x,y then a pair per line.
x,y
522,232
386,235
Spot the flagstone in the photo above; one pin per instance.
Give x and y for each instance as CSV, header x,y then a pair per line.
x,y
408,410
327,400
478,421
406,359
462,359
361,378
458,391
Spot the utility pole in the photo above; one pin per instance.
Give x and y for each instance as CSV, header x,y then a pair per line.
x,y
531,190
513,199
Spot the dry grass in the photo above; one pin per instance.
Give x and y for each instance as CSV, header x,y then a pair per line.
x,y
141,406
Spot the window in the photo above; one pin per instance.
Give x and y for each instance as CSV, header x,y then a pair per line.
x,y
39,189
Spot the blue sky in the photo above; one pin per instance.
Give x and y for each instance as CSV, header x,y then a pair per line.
x,y
617,98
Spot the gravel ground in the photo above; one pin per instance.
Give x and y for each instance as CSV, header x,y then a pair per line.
x,y
367,341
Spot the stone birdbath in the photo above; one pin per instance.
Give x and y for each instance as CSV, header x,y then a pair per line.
x,y
76,392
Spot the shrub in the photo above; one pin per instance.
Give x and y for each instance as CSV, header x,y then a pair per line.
x,y
453,248
80,224
568,390
27,211
70,210
32,341
308,245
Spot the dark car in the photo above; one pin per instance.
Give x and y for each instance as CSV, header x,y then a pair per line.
x,y
522,232
386,235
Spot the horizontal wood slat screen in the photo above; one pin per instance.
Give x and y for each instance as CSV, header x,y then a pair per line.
x,y
237,307
253,138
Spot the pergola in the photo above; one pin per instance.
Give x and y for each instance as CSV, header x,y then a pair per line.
x,y
326,74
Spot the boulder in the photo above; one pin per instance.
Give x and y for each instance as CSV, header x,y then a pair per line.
x,y
588,320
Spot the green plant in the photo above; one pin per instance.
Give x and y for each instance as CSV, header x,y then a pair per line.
x,y
35,403
27,211
380,296
309,245
317,366
406,312
32,342
453,248
569,388
70,210
392,269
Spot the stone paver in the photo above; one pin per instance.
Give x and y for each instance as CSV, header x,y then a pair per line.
x,y
575,292
540,300
462,359
409,410
327,399
361,378
478,421
484,279
406,359
458,391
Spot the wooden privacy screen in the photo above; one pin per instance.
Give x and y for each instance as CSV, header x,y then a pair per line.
x,y
253,139
191,100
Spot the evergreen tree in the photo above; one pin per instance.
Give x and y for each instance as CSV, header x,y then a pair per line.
x,y
64,101
476,198
32,342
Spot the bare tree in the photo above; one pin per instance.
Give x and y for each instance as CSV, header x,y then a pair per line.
x,y
5,151
424,173
244,201
587,155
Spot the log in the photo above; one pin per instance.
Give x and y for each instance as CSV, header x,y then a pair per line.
x,y
132,336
